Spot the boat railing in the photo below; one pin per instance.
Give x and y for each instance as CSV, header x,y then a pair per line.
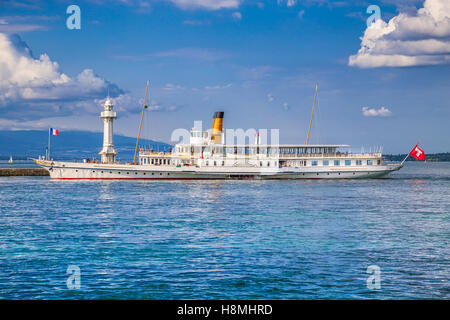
x,y
155,154
266,155
331,155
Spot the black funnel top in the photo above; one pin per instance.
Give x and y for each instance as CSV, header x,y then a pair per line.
x,y
218,114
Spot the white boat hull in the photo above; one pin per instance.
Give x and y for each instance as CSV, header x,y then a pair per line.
x,y
91,171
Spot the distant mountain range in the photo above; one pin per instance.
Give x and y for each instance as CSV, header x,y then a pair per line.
x,y
68,145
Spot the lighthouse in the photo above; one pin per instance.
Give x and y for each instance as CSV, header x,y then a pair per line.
x,y
108,115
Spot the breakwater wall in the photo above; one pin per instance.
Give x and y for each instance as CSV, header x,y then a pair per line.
x,y
21,172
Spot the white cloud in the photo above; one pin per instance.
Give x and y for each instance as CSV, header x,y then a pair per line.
x,y
407,40
257,73
370,112
289,3
218,87
207,4
146,6
24,23
237,15
270,97
192,53
27,82
286,106
173,87
196,22
159,107
301,14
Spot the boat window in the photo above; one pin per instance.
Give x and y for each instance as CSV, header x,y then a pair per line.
x,y
326,162
337,162
314,163
358,162
379,162
348,162
369,162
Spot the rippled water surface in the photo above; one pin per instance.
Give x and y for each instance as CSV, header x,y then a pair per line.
x,y
227,239
18,164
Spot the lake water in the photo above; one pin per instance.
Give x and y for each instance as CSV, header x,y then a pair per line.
x,y
18,164
227,239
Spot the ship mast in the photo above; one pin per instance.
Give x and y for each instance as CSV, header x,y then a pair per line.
x,y
312,114
140,125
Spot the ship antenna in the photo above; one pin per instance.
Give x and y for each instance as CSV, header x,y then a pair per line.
x,y
140,126
312,114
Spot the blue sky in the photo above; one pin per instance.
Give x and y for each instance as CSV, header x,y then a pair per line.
x,y
256,60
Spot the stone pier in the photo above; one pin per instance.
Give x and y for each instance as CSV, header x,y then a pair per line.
x,y
22,172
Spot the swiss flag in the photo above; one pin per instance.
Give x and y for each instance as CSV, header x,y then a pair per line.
x,y
417,153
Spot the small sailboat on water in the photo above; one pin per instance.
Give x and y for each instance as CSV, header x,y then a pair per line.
x,y
10,159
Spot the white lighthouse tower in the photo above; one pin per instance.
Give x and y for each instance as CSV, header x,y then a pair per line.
x,y
108,153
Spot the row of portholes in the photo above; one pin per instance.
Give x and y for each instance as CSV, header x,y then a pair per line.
x,y
93,171
318,173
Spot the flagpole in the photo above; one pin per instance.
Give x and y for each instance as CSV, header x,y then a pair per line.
x,y
48,148
140,125
407,155
312,114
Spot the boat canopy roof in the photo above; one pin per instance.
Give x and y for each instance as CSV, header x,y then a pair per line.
x,y
274,145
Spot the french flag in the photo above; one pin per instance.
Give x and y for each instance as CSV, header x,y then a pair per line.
x,y
54,132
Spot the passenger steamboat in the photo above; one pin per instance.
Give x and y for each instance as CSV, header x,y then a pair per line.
x,y
207,156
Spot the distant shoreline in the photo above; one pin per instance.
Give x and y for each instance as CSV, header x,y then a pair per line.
x,y
438,157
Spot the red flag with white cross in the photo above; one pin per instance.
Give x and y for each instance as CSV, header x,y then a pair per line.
x,y
417,153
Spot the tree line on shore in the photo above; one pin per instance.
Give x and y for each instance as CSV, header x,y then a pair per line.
x,y
445,156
